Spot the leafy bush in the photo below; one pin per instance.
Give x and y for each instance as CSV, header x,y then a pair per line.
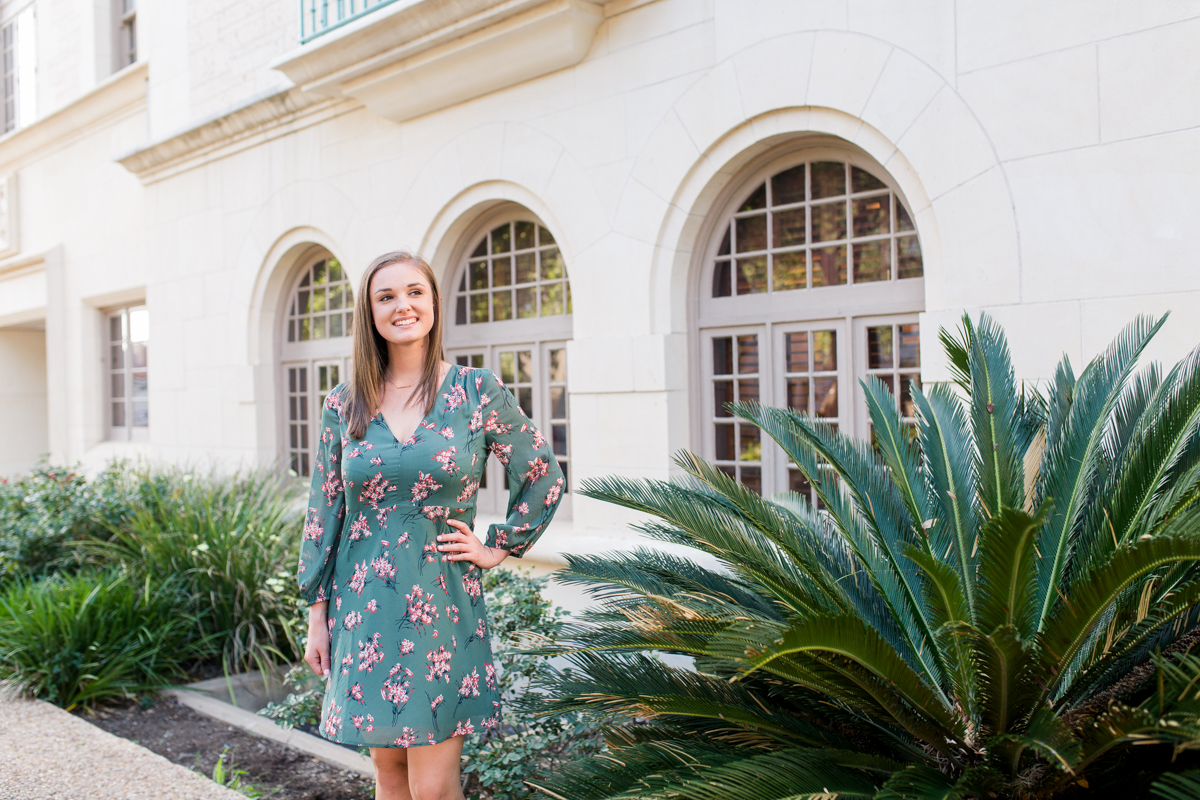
x,y
230,540
78,639
1000,608
497,762
46,511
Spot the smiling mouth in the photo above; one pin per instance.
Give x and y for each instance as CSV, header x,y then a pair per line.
x,y
404,323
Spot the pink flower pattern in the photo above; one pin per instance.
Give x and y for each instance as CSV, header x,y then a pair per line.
x,y
360,486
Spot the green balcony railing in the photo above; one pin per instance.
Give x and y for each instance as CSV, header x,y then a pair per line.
x,y
321,16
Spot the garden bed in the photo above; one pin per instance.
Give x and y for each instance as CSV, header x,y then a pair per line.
x,y
184,736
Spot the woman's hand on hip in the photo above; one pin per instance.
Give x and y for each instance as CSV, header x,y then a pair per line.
x,y
460,544
316,650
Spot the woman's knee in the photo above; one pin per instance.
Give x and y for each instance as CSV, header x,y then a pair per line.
x,y
434,787
390,764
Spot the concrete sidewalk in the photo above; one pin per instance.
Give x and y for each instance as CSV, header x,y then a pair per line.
x,y
48,754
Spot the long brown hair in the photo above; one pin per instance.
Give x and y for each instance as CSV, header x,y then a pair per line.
x,y
371,352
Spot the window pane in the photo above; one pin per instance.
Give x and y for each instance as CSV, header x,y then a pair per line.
x,y
526,268
524,231
318,301
558,365
752,479
887,381
825,396
829,221
552,299
303,373
722,394
479,274
118,415
558,402
335,325
138,384
824,351
117,389
788,186
508,372
828,179
829,266
752,275
525,400
751,443
558,436
502,272
908,408
871,215
544,236
748,391
724,442
114,328
879,347
723,250
305,329
318,328
552,266
335,271
335,297
910,345
863,181
527,302
791,271
139,325
788,228
747,354
903,220
873,262
460,311
501,239
479,308
795,348
141,414
798,483
117,360
721,277
751,233
305,308
797,392
291,330
756,200
524,366
481,250
293,413
323,378
319,273
722,355
292,379
502,305
909,255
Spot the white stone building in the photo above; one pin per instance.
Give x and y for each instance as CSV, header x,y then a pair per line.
x,y
637,208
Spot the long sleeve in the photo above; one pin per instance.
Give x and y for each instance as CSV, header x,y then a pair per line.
x,y
535,481
326,509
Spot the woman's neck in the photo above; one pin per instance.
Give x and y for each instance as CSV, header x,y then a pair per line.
x,y
406,362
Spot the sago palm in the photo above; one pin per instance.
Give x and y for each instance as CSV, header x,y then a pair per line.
x,y
998,606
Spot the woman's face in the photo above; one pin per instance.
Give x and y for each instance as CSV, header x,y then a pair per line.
x,y
402,303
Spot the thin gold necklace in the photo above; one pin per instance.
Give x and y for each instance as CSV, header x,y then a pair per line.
x,y
395,386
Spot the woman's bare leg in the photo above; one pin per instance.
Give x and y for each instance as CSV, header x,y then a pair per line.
x,y
391,773
433,772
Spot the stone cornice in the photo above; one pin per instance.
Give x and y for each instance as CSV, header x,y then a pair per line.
x,y
257,120
121,93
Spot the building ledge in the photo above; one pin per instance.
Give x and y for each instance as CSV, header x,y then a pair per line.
x,y
115,96
417,56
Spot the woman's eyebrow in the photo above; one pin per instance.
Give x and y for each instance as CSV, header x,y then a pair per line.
x,y
389,289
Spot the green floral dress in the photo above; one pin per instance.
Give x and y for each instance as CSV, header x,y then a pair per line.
x,y
412,662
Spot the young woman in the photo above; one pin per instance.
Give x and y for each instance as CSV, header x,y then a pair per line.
x,y
389,563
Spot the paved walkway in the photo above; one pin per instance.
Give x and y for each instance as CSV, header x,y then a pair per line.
x,y
48,754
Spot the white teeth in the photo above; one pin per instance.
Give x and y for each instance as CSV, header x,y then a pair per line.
x,y
403,323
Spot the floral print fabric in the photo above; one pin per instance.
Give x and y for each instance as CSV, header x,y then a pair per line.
x,y
412,662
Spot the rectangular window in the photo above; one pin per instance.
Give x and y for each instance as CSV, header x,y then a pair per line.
x,y
298,445
125,17
128,373
18,63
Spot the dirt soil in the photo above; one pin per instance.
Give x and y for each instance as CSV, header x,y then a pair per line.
x,y
179,734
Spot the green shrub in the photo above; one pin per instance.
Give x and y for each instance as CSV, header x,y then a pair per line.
x,y
997,602
74,640
230,540
44,513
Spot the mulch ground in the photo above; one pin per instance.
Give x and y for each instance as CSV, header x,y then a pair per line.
x,y
193,740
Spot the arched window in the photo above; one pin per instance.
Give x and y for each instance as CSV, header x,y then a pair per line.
x,y
315,353
510,312
811,280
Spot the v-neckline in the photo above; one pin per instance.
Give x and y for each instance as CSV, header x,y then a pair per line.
x,y
379,412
